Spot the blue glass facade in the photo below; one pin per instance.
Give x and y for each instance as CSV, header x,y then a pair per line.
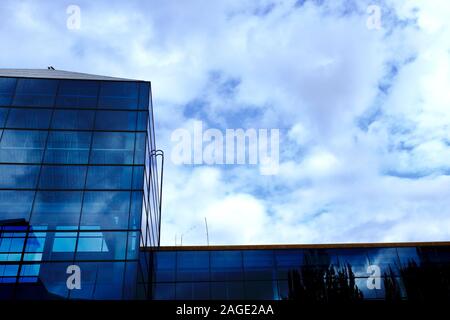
x,y
78,186
414,272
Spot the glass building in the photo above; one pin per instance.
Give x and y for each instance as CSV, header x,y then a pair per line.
x,y
80,188
79,185
304,273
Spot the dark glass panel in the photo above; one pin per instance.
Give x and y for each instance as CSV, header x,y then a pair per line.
x,y
228,290
73,119
29,119
142,121
139,152
226,265
53,277
261,290
258,264
57,208
130,281
165,266
136,210
62,177
355,258
35,92
116,120
193,266
18,176
100,281
3,114
192,291
68,147
385,258
7,87
101,245
144,95
77,94
112,148
118,95
104,177
21,146
164,291
133,245
408,256
105,209
138,177
15,204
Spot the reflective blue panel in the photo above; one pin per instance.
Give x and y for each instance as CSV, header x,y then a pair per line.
x,y
104,177
22,146
77,94
138,177
192,291
101,281
164,291
3,113
136,210
228,290
73,119
54,277
15,204
68,147
258,264
18,176
101,246
144,95
29,119
57,208
62,177
133,245
385,258
35,92
116,120
165,266
113,148
226,265
354,258
118,95
142,121
261,290
7,87
139,152
109,210
193,266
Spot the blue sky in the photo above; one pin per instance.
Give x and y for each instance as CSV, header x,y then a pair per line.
x,y
364,114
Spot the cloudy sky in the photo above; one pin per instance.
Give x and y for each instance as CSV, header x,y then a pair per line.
x,y
363,112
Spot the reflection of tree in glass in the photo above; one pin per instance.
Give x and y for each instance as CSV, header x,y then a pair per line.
x,y
320,281
425,281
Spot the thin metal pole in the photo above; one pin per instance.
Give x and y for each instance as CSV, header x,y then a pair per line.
x,y
207,233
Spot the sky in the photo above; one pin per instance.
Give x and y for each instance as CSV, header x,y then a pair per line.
x,y
361,101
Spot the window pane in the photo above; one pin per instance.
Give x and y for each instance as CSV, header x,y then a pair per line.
x,y
101,245
57,208
142,121
73,119
165,266
112,148
136,210
3,113
105,177
62,177
118,95
144,95
68,147
7,86
35,92
107,210
77,94
115,120
15,204
29,119
18,176
22,146
193,266
226,265
139,152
